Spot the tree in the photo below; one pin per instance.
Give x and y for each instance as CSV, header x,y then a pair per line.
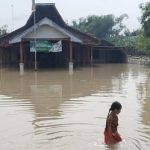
x,y
143,43
107,27
119,27
3,30
143,37
145,19
100,26
123,40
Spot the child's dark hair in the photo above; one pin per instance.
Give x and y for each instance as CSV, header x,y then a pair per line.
x,y
114,105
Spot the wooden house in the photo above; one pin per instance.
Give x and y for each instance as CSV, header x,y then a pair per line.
x,y
78,48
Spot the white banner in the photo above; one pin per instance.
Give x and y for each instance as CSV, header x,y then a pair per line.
x,y
57,47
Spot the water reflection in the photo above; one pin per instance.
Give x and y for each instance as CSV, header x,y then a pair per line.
x,y
44,88
53,109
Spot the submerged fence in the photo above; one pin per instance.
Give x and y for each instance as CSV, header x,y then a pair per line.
x,y
143,60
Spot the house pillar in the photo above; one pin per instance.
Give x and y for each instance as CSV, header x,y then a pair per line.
x,y
70,58
21,64
91,55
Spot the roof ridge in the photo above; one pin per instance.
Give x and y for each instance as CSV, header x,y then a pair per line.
x,y
44,3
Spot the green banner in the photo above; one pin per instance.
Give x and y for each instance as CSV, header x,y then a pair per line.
x,y
40,46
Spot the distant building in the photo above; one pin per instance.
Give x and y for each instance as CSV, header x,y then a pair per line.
x,y
77,47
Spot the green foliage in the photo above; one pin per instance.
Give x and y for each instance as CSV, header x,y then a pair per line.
x,y
143,43
143,38
119,27
3,30
107,27
100,26
145,20
123,40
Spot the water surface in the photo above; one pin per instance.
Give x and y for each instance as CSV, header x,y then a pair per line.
x,y
51,109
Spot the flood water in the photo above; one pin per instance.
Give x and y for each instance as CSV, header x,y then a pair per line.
x,y
51,109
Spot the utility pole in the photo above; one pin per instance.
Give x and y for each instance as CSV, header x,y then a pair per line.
x,y
12,15
34,14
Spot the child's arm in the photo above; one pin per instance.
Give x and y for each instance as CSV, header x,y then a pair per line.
x,y
111,131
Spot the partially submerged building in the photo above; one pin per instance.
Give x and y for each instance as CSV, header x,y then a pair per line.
x,y
47,25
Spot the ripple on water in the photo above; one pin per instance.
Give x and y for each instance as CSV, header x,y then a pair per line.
x,y
52,110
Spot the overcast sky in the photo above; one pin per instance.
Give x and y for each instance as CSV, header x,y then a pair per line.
x,y
71,9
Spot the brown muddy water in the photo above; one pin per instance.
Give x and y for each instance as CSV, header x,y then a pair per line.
x,y
57,111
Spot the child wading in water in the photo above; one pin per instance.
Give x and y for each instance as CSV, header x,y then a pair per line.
x,y
111,134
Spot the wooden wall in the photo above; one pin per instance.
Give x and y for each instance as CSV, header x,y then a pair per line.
x,y
9,57
109,56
